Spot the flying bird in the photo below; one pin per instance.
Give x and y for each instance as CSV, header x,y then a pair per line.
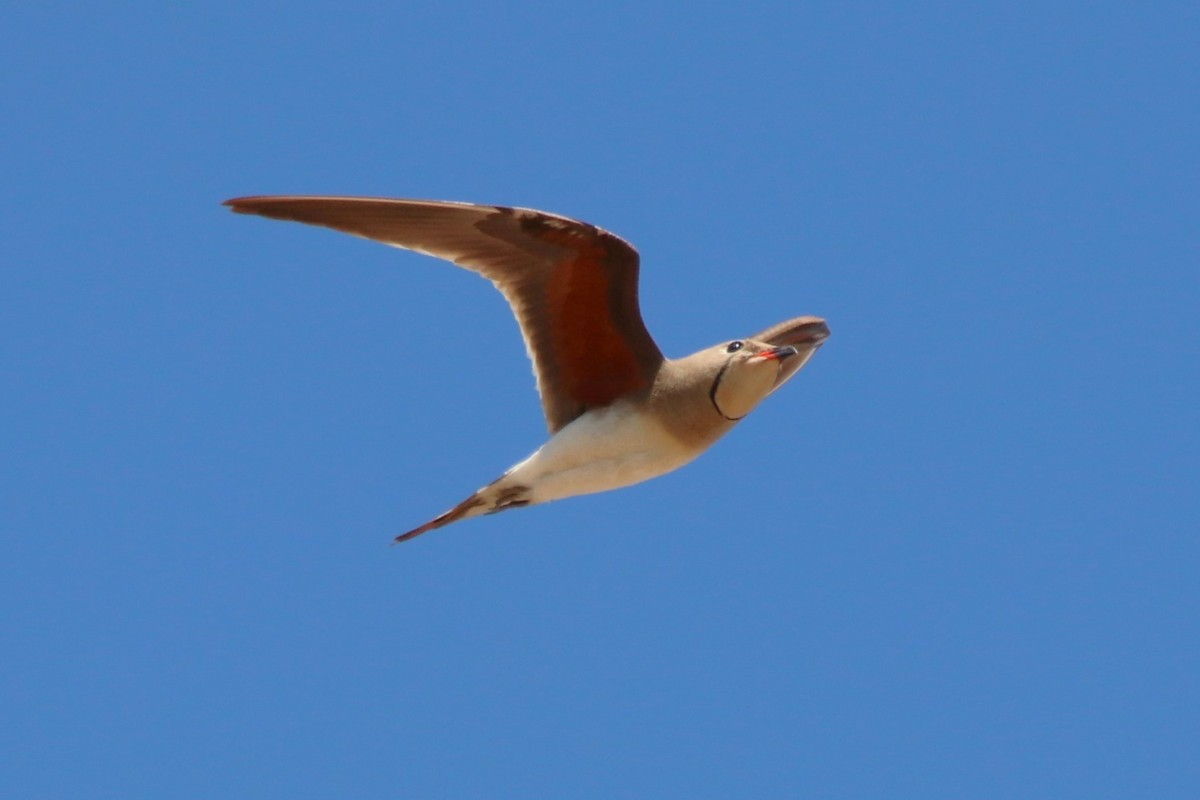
x,y
618,411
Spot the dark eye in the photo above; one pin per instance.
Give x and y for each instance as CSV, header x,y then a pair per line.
x,y
733,347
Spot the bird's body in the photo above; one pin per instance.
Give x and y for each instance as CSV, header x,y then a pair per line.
x,y
605,448
619,412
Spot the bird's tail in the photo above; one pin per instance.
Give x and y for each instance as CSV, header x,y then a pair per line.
x,y
491,499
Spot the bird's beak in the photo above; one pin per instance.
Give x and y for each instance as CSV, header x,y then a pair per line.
x,y
779,353
802,341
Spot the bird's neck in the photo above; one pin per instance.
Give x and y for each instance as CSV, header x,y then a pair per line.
x,y
680,402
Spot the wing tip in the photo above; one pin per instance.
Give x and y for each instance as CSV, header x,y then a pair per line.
x,y
242,205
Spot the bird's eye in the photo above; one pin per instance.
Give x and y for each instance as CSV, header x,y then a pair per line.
x,y
733,347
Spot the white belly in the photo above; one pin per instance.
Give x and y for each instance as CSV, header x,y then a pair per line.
x,y
604,449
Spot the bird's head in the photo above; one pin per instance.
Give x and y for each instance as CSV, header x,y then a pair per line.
x,y
742,372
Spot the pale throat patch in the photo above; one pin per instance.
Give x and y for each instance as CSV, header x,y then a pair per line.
x,y
742,385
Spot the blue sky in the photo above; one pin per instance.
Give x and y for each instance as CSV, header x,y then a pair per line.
x,y
956,557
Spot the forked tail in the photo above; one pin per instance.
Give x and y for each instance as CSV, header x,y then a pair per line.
x,y
491,499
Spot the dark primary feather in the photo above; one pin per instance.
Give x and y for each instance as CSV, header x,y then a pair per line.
x,y
797,331
572,286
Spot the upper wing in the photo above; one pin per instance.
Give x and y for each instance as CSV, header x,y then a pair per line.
x,y
572,286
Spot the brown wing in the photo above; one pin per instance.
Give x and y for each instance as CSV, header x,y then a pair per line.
x,y
572,286
799,331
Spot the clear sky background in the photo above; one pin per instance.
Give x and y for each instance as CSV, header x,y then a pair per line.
x,y
956,557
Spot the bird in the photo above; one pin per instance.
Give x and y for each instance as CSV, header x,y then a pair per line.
x,y
618,411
